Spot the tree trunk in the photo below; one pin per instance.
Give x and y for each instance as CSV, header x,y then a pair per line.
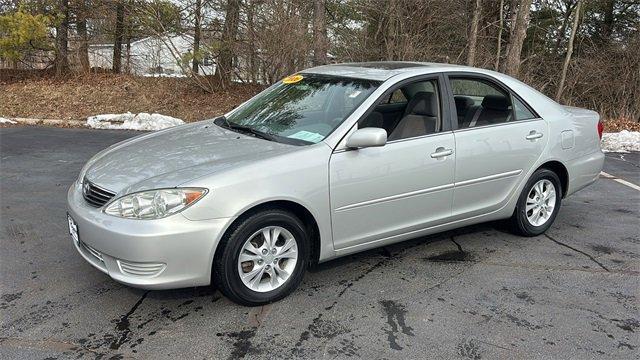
x,y
127,53
320,43
567,58
62,40
473,34
118,37
253,70
83,47
563,27
513,8
512,61
224,68
496,66
607,24
196,37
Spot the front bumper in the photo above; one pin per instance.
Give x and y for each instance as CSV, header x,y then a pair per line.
x,y
166,253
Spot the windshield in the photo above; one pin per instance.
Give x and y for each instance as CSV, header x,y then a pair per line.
x,y
301,109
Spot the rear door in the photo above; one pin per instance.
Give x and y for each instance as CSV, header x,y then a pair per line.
x,y
498,140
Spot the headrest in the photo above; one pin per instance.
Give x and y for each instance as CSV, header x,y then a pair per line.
x,y
463,103
496,102
423,103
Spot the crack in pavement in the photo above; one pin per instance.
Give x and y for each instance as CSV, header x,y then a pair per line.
x,y
458,245
387,257
578,251
122,325
305,335
395,313
546,267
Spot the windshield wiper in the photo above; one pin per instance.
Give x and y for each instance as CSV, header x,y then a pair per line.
x,y
222,121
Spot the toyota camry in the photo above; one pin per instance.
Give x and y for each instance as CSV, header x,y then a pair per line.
x,y
327,162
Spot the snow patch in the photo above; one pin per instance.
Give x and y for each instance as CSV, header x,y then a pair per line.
x,y
174,75
129,121
6,121
623,141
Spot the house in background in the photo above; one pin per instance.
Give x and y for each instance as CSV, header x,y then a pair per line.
x,y
152,56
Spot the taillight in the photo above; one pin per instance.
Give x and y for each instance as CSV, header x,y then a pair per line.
x,y
600,129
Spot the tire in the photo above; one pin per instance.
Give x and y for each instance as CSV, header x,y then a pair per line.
x,y
523,221
257,290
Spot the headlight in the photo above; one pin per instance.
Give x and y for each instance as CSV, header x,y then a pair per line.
x,y
154,204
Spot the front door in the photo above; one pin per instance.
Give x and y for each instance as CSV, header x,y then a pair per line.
x,y
407,185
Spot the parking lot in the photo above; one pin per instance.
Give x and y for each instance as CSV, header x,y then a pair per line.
x,y
478,292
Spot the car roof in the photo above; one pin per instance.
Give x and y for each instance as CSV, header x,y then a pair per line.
x,y
384,70
381,70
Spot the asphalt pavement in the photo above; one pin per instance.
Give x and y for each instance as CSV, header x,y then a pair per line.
x,y
474,293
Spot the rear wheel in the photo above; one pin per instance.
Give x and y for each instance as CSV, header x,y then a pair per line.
x,y
538,204
262,258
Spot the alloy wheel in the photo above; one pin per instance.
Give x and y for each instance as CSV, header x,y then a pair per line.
x,y
267,259
541,202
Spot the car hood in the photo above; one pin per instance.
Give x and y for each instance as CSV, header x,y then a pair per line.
x,y
172,157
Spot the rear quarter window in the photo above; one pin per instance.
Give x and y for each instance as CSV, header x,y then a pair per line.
x,y
521,110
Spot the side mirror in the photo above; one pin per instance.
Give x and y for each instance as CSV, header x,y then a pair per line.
x,y
367,137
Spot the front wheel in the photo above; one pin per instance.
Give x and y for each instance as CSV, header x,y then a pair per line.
x,y
538,204
262,258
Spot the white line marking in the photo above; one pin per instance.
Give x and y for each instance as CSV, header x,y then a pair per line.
x,y
621,181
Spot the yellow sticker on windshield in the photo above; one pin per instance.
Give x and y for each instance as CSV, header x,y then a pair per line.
x,y
292,79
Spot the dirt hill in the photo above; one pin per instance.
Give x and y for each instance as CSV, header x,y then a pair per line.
x,y
76,98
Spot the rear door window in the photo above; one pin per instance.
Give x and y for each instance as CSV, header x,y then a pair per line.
x,y
480,102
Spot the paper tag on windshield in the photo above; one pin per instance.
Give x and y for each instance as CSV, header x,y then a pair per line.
x,y
307,136
292,79
355,94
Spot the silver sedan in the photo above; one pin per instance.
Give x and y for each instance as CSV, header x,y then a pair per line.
x,y
330,161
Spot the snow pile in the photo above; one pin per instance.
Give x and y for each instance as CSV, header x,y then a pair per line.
x,y
623,141
129,121
174,75
6,121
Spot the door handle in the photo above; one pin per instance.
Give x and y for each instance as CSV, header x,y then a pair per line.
x,y
533,135
441,152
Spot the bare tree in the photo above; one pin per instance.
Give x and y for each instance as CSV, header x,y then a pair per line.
x,y
320,42
196,36
118,37
127,35
496,65
473,33
83,41
62,39
607,23
567,58
224,68
512,61
513,9
569,6
251,37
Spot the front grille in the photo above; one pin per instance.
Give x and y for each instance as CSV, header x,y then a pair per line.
x,y
95,195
